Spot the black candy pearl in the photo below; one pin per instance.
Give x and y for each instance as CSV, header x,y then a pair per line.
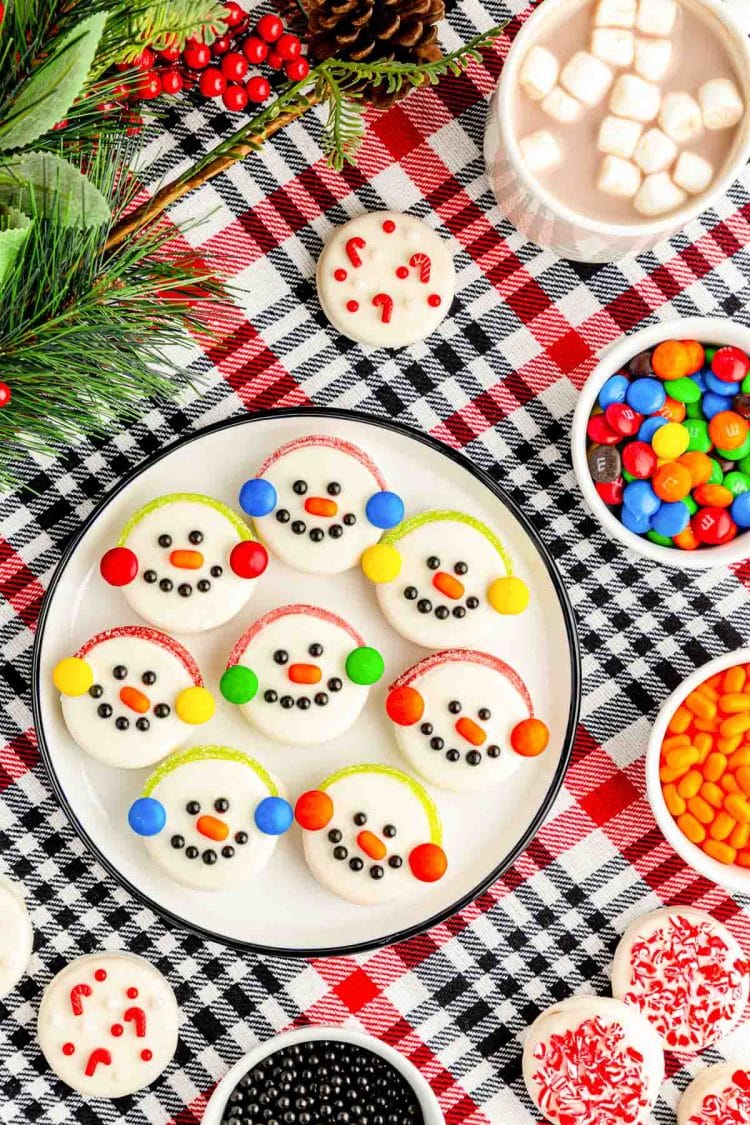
x,y
410,593
424,605
270,695
96,691
452,755
300,487
472,603
315,650
195,537
356,863
221,804
216,571
316,535
148,678
426,728
192,852
442,612
184,589
395,861
493,751
350,519
335,684
166,585
203,586
162,710
454,707
149,576
104,711
142,724
433,562
240,838
227,851
281,656
303,703
334,488
389,831
437,743
298,527
286,702
484,714
376,871
178,842
359,819
283,515
209,857
473,757
119,671
335,531
192,808
458,611
340,853
165,541
122,723
335,836
321,699
461,568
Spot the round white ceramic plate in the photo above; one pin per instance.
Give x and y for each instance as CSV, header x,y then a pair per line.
x,y
284,910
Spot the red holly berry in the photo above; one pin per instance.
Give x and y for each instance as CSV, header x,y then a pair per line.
x,y
274,61
254,49
197,57
145,60
297,70
5,392
121,93
148,86
60,124
235,98
107,107
220,46
234,66
169,54
270,28
258,88
212,83
171,81
234,14
289,47
2,12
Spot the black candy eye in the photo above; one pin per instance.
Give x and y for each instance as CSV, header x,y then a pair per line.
x,y
148,678
221,804
162,710
315,650
196,537
119,671
433,562
193,808
96,691
484,713
216,571
281,656
389,831
359,819
165,540
454,707
334,488
300,487
460,568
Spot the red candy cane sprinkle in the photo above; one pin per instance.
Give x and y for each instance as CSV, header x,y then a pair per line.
x,y
353,247
590,1076
434,300
76,997
137,1017
352,306
99,1056
340,275
730,1106
687,982
385,303
422,263
389,226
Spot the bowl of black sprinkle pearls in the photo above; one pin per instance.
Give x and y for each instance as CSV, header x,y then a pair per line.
x,y
323,1076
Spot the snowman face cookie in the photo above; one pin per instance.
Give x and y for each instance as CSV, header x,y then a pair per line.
x,y
719,1095
131,695
301,674
318,502
210,817
442,578
185,563
386,279
464,719
16,936
108,1024
372,834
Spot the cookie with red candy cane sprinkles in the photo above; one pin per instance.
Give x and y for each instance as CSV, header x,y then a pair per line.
x,y
464,719
318,502
686,974
386,279
108,1024
131,695
185,562
718,1096
592,1060
371,834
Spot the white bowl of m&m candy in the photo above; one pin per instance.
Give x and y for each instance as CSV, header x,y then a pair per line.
x,y
661,442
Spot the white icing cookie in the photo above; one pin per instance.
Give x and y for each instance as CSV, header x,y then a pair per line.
x,y
372,834
186,563
687,975
131,695
318,502
386,279
210,817
464,719
593,1061
108,1024
718,1096
16,936
442,577
301,674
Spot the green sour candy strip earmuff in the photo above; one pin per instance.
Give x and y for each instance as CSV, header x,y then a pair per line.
x,y
414,522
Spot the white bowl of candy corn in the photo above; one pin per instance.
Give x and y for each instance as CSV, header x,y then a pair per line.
x,y
722,539
698,770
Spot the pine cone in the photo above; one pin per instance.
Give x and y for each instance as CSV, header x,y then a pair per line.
x,y
375,31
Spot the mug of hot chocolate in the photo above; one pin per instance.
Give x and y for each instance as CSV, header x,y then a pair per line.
x,y
616,122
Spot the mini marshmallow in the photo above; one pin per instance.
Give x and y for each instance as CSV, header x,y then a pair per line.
x,y
613,45
655,152
539,73
635,98
540,150
721,103
656,17
586,78
658,194
615,13
618,137
618,177
680,117
692,173
652,58
562,107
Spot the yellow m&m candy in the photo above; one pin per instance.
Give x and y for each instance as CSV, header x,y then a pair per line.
x,y
670,441
381,563
73,676
195,705
508,595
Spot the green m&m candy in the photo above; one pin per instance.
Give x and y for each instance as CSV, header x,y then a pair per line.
x,y
364,665
717,473
239,684
697,428
737,483
736,454
662,540
684,390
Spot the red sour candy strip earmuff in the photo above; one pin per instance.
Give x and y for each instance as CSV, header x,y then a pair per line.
x,y
405,706
313,810
119,566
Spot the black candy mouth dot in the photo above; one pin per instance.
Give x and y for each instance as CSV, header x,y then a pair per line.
x,y
316,533
442,610
183,589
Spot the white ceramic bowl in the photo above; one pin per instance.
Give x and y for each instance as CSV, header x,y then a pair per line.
x,y
427,1101
734,879
706,329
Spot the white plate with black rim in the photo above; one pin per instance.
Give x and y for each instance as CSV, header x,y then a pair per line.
x,y
284,910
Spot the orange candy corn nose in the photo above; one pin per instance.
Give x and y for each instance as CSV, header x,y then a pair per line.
x,y
304,673
135,699
321,506
212,827
186,560
471,731
371,845
448,585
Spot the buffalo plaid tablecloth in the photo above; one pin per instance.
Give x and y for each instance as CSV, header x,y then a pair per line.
x,y
499,381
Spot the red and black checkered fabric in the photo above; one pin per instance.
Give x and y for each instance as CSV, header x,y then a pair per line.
x,y
499,381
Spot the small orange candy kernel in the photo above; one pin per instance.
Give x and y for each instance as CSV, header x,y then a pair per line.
x,y
734,702
729,745
734,725
674,802
700,809
700,706
691,828
667,775
709,725
690,784
723,853
734,679
728,783
737,806
682,758
712,793
675,742
715,765
680,721
723,826
739,758
743,859
740,836
743,779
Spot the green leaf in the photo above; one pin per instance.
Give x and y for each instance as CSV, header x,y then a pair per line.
x,y
14,230
41,183
51,89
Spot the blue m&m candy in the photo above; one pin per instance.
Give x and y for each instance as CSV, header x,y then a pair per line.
x,y
719,387
614,390
147,816
640,498
646,396
649,428
740,509
385,509
671,519
273,816
639,524
712,404
257,497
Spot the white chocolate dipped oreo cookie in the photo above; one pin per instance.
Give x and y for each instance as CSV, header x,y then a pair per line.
x,y
301,674
371,834
718,1096
318,502
185,562
686,973
108,1024
131,695
464,719
16,936
592,1060
386,279
210,817
442,579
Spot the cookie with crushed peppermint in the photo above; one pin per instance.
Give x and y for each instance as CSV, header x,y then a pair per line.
x,y
718,1096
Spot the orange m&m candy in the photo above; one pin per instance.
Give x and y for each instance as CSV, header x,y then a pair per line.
x,y
672,360
728,430
686,540
697,356
405,706
713,495
529,738
428,862
672,481
673,410
699,465
313,810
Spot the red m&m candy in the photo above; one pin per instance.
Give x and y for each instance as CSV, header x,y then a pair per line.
x,y
600,431
639,459
313,810
248,559
623,419
731,365
405,706
119,566
713,526
610,491
428,863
